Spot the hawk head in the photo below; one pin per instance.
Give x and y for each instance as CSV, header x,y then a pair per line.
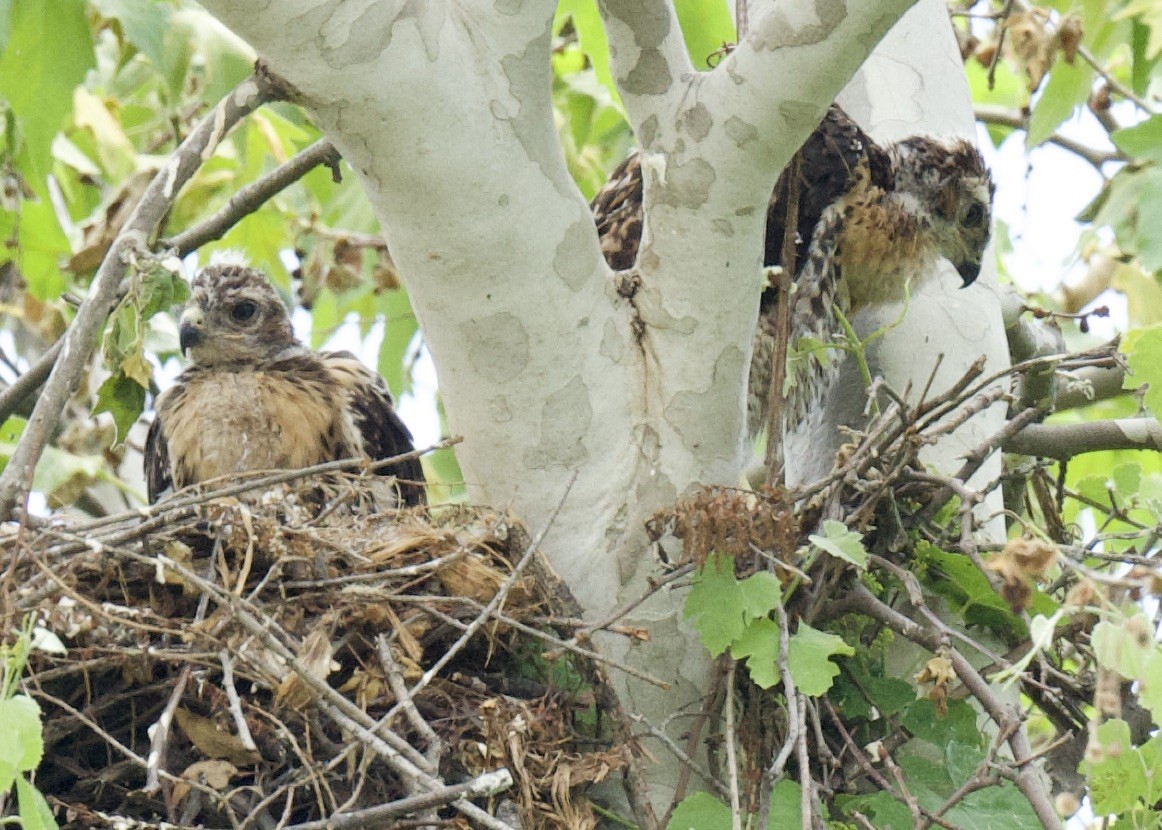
x,y
954,189
233,316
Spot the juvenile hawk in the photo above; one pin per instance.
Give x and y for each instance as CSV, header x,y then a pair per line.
x,y
254,398
871,221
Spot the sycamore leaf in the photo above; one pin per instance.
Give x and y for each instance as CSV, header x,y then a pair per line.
x,y
700,811
22,744
124,399
1144,348
37,82
841,543
1067,87
1122,776
759,644
35,814
808,656
1141,140
758,594
714,599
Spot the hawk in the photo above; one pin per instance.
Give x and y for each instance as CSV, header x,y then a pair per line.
x,y
872,221
254,398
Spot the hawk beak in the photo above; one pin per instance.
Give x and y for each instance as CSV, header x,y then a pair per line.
x,y
968,271
192,331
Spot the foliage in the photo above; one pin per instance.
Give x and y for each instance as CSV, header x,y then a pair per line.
x,y
21,740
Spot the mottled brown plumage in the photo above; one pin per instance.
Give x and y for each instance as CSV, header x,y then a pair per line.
x,y
871,221
255,398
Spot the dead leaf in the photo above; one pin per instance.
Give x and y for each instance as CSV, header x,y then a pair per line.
x,y
317,655
213,741
1032,43
215,774
1069,37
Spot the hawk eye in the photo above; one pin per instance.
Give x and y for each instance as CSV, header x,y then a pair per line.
x,y
243,311
974,216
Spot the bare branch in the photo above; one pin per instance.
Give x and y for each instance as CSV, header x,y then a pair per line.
x,y
1063,441
253,196
1004,117
30,381
133,240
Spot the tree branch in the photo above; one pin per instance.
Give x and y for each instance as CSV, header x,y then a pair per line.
x,y
651,66
253,196
819,45
1004,117
1063,441
133,239
30,381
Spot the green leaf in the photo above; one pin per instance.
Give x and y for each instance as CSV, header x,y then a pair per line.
x,y
1142,140
957,725
1067,87
724,606
808,660
786,806
38,80
21,742
889,694
714,600
1144,348
1124,646
700,811
759,644
1118,775
758,594
124,399
841,543
35,814
144,24
591,36
1148,240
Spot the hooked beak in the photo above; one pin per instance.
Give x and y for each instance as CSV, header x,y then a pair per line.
x,y
968,271
192,330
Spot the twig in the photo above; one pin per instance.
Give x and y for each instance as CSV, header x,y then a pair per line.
x,y
488,784
399,689
682,755
82,336
934,638
491,607
992,114
235,701
30,381
731,756
250,198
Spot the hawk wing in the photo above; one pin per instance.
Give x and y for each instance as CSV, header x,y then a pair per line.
x,y
157,472
376,425
830,162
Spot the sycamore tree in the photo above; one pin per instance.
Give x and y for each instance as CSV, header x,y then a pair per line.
x,y
421,171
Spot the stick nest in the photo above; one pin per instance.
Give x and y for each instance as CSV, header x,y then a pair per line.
x,y
176,699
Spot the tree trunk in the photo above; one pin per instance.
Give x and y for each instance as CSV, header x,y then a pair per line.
x,y
563,389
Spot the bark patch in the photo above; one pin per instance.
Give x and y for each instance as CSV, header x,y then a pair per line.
x,y
649,75
500,346
573,262
565,419
740,132
697,121
783,31
687,185
708,421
